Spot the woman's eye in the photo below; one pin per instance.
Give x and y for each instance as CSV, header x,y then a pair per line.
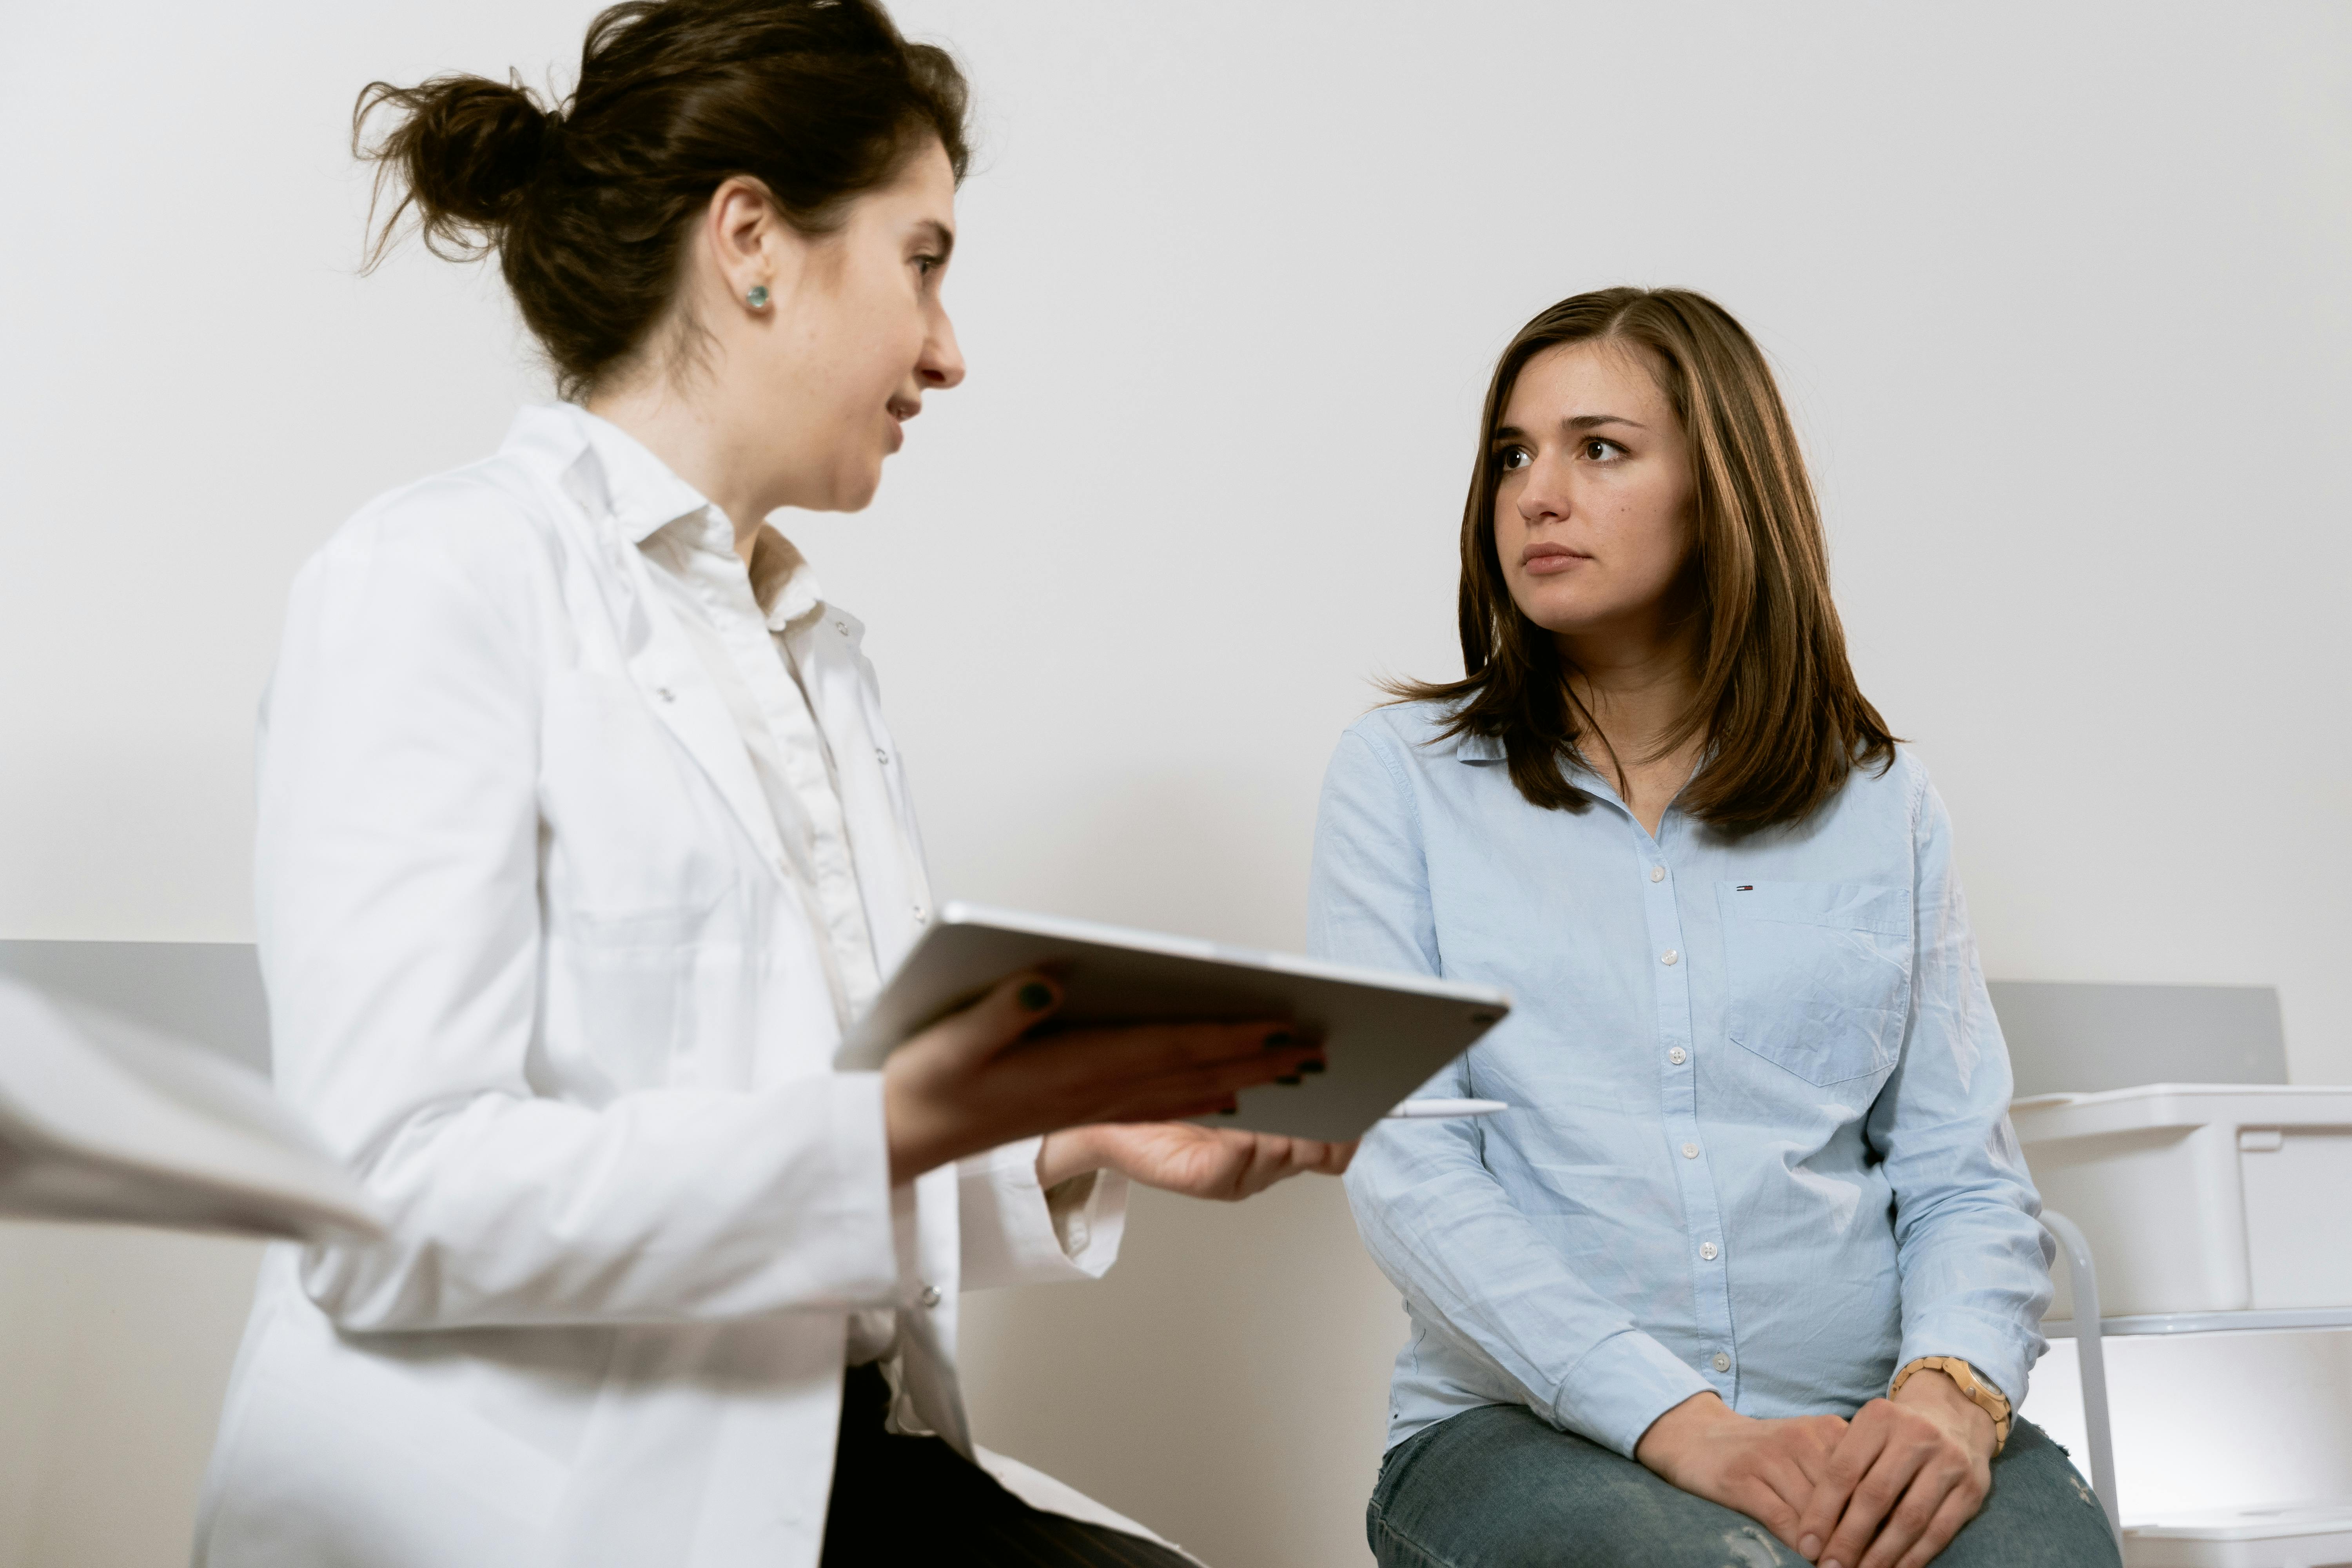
x,y
1601,451
1511,457
927,265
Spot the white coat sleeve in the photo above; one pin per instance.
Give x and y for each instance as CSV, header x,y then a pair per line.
x,y
1015,1233
397,882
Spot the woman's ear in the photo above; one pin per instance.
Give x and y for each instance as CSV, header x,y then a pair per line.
x,y
747,244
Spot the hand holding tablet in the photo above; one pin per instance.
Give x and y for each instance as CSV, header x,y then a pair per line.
x,y
1381,1036
1004,1067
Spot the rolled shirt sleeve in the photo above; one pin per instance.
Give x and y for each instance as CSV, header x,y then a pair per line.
x,y
1471,1265
1974,1259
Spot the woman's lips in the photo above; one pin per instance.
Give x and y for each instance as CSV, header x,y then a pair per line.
x,y
1550,560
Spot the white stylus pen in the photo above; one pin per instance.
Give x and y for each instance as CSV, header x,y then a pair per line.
x,y
1413,1109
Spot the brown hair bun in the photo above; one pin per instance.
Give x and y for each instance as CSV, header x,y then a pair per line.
x,y
586,203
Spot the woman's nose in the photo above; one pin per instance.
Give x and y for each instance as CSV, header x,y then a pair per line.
x,y
942,361
1544,497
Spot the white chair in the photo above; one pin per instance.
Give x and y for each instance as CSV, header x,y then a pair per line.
x,y
2088,1039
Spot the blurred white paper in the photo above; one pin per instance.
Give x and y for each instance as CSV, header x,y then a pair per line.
x,y
101,1119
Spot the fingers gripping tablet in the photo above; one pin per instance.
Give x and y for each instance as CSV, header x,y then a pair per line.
x,y
1384,1035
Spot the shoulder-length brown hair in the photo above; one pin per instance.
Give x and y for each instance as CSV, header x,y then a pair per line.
x,y
1777,703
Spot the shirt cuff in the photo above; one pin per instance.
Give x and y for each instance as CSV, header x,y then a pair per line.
x,y
2002,1354
1621,1386
1014,1234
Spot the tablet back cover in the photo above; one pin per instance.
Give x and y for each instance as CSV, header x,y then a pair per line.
x,y
1384,1034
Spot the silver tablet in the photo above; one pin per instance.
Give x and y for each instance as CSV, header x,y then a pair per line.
x,y
1384,1034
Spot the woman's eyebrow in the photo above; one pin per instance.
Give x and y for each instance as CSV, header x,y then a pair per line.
x,y
1578,422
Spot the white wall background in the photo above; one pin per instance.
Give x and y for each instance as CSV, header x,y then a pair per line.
x,y
2058,294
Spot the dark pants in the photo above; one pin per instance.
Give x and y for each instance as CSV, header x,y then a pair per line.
x,y
901,1500
1499,1487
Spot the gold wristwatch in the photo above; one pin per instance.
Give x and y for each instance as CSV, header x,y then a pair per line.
x,y
1981,1394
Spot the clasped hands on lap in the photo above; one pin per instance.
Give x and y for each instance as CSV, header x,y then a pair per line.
x,y
1887,1489
1104,1098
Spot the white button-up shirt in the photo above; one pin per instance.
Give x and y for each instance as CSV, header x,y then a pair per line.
x,y
751,623
743,623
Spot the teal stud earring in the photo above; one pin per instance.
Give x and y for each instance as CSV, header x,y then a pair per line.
x,y
758,298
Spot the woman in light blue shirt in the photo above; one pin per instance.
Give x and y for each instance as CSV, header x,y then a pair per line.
x,y
1752,1263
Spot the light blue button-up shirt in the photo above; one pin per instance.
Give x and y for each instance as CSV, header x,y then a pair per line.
x,y
1759,1139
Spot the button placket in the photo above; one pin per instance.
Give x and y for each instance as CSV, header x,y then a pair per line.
x,y
763,660
1678,1098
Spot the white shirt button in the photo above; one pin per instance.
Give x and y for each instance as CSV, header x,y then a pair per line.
x,y
1678,1055
841,626
919,914
665,693
1670,957
931,1296
881,756
1707,1250
1690,1150
1722,1362
1657,873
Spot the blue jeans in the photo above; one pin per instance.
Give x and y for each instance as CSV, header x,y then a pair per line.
x,y
1499,1487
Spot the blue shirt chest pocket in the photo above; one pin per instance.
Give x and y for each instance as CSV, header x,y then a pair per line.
x,y
1819,975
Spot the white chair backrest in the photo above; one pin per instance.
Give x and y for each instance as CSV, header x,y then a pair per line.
x,y
205,991
2066,1037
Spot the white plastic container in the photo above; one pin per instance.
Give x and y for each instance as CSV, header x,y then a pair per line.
x,y
2309,1535
2200,1197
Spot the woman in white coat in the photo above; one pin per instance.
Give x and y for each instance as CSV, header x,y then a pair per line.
x,y
580,840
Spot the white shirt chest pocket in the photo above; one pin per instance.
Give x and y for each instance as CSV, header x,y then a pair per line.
x,y
1819,975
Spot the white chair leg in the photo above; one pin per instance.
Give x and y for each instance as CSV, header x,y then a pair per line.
x,y
2092,1358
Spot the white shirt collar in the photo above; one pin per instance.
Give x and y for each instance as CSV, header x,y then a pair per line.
x,y
646,498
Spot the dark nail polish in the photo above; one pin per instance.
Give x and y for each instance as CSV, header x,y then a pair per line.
x,y
1313,1064
1278,1038
1229,1111
1291,1079
1035,997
